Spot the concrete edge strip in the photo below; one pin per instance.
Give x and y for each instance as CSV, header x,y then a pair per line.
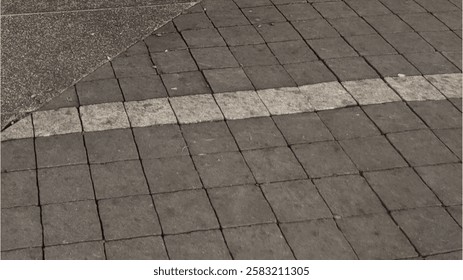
x,y
234,105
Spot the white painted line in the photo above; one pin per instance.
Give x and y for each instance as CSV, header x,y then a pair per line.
x,y
150,112
283,101
449,84
105,116
196,108
371,91
415,88
22,129
327,96
55,122
241,105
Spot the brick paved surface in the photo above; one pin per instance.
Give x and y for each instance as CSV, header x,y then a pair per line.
x,y
185,147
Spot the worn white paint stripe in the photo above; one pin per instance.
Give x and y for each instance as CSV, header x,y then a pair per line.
x,y
235,105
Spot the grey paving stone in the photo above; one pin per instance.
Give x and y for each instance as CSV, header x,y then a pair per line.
x,y
192,21
392,65
110,145
224,169
296,201
318,240
256,133
334,9
401,189
454,57
204,245
446,256
421,147
144,248
141,88
241,35
351,68
456,102
292,52
100,91
452,139
370,45
352,26
18,155
65,184
348,123
70,222
298,11
455,212
376,237
78,251
21,228
209,137
185,211
185,83
218,5
431,63
332,48
388,24
438,114
19,189
66,99
133,66
104,116
59,150
315,29
252,55
252,3
302,128
212,58
275,164
278,32
368,7
324,159
260,242
271,76
444,180
310,73
409,43
451,19
264,14
165,42
423,22
372,153
403,6
240,206
443,40
431,230
128,217
23,254
171,174
136,49
232,17
160,141
174,61
437,5
349,196
393,117
103,72
228,80
203,38
457,3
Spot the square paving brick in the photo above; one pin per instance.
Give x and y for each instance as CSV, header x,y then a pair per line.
x,y
186,83
317,240
423,22
136,49
277,32
70,222
186,108
324,159
203,38
415,88
228,80
128,217
218,5
149,112
21,228
455,58
240,206
421,147
54,122
403,6
296,201
174,61
392,65
361,91
185,211
455,212
192,21
376,237
431,230
451,19
259,242
349,196
302,128
140,88
401,189
18,154
19,189
292,52
370,45
452,139
103,72
352,26
105,116
204,245
310,73
431,63
241,105
59,150
456,255
133,66
256,133
437,5
166,28
272,165
348,123
252,3
393,117
171,174
100,91
444,180
160,141
209,137
144,248
298,11
118,179
315,29
33,254
78,251
66,99
65,184
232,17
368,7
165,42
351,68
332,48
110,145
241,35
334,10
265,14
213,58
388,24
224,169
408,43
456,102
285,101
438,114
272,76
252,55
372,153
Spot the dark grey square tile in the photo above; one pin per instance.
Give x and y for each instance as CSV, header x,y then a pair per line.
x,y
264,14
392,65
451,19
270,76
370,45
143,248
352,26
136,49
277,32
423,22
228,80
141,88
174,61
455,212
160,141
66,99
310,73
252,55
212,58
393,117
334,9
165,42
431,63
454,57
296,11
241,35
110,145
408,43
437,114
59,150
33,254
452,139
186,83
292,52
315,29
203,38
232,17
19,189
351,68
403,6
100,91
209,137
252,3
21,228
79,251
192,21
368,7
101,73
385,24
256,133
18,154
445,41
133,66
332,48
437,5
